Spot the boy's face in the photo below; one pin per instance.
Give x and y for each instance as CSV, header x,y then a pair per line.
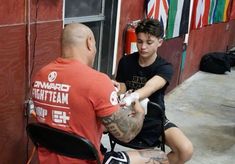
x,y
147,44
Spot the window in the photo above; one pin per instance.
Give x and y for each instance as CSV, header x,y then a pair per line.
x,y
100,16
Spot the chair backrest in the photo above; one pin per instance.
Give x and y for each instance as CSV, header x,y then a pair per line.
x,y
61,142
140,142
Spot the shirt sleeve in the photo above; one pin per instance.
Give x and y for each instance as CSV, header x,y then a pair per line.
x,y
166,72
104,96
121,70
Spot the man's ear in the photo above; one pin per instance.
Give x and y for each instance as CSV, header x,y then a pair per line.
x,y
89,43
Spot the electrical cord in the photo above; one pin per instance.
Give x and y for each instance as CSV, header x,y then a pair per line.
x,y
30,68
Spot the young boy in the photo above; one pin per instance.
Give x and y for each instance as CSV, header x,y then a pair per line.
x,y
148,75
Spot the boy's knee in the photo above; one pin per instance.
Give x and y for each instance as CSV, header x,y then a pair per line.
x,y
186,152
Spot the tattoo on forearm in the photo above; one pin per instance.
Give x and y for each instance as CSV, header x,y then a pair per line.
x,y
154,156
121,125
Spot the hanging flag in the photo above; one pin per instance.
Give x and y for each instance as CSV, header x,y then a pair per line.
x,y
200,13
150,8
213,5
157,9
221,11
206,12
232,16
178,18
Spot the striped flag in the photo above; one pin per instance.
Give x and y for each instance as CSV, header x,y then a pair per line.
x,y
200,13
221,11
178,18
207,12
212,11
157,9
232,16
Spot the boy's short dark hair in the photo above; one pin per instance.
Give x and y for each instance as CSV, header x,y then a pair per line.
x,y
150,26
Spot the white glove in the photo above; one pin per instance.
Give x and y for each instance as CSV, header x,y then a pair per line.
x,y
129,99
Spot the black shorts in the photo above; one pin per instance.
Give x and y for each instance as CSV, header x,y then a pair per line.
x,y
151,133
168,124
113,157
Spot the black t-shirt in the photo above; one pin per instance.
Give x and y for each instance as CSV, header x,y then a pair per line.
x,y
134,76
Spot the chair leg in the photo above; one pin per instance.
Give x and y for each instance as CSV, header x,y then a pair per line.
x,y
163,134
163,146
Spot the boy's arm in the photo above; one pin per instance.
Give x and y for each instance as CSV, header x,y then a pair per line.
x,y
152,85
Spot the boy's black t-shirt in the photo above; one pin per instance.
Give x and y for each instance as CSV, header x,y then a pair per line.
x,y
134,76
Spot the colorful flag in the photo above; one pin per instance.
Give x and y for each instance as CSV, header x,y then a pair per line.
x,y
221,11
158,9
200,13
232,16
213,4
178,18
207,12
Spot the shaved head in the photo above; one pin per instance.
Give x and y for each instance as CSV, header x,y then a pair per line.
x,y
75,34
78,42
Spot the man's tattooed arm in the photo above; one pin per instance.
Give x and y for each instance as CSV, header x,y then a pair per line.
x,y
154,156
124,124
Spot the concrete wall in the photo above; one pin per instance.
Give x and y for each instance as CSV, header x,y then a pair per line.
x,y
130,11
185,59
214,38
14,66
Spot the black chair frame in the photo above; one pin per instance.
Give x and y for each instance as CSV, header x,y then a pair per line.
x,y
62,142
154,110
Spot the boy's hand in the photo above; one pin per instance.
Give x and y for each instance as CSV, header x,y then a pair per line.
x,y
129,98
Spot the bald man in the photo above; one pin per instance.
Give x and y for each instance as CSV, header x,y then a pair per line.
x,y
70,95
